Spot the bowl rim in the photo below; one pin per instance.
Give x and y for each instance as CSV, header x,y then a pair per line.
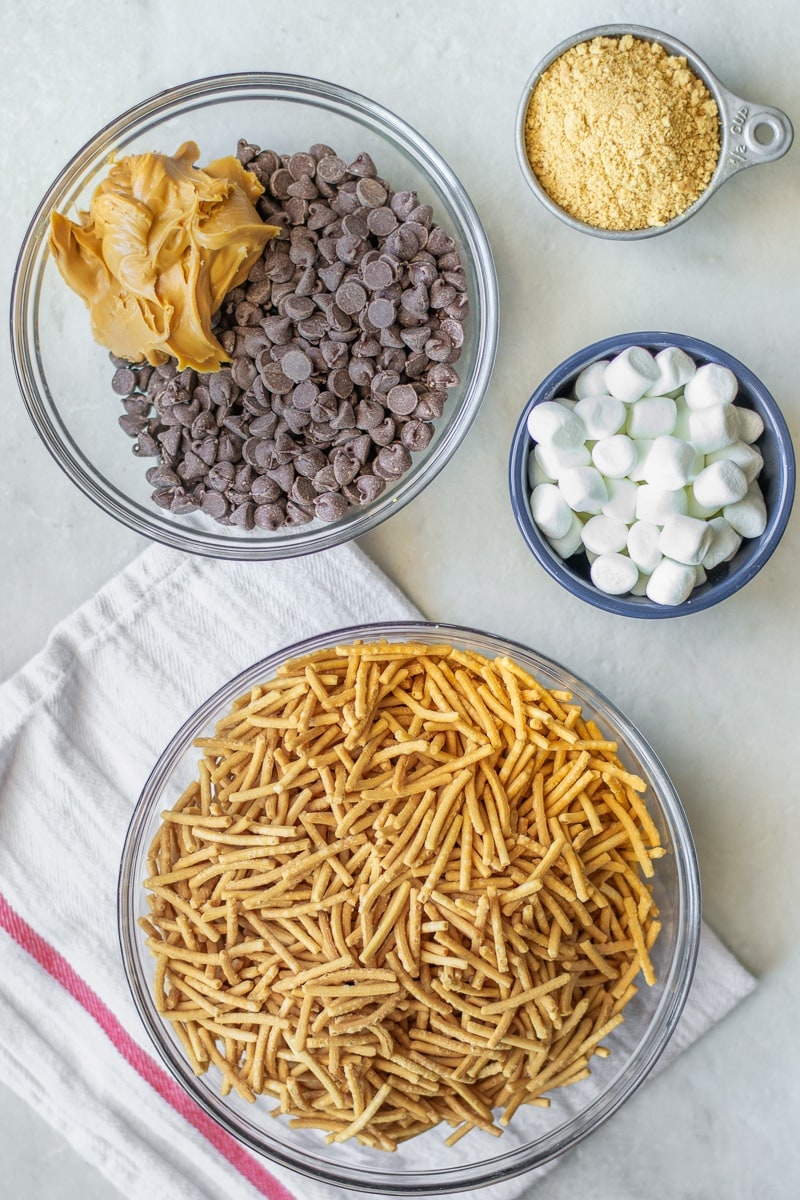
x,y
641,606
677,979
33,256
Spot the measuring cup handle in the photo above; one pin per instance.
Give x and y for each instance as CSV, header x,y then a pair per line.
x,y
742,121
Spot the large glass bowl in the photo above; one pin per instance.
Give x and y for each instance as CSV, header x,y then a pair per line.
x,y
65,377
535,1135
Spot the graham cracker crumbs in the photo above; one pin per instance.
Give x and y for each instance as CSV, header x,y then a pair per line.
x,y
622,135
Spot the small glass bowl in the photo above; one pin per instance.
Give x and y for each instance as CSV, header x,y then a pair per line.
x,y
535,1136
750,133
777,481
65,377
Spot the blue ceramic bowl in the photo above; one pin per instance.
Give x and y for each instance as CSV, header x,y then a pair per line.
x,y
777,481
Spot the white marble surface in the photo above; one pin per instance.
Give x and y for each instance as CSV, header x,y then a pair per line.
x,y
716,693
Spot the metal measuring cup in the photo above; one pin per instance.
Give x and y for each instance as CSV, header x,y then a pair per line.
x,y
750,134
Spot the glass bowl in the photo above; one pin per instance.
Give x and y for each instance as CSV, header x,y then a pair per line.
x,y
65,377
777,481
535,1135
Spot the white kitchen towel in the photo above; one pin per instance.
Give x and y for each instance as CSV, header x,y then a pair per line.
x,y
80,727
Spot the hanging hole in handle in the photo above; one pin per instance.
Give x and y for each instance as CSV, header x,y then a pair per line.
x,y
765,133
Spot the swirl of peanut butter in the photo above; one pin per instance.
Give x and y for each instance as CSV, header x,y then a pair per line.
x,y
161,245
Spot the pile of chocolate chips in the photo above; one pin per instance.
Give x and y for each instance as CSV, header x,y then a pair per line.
x,y
342,342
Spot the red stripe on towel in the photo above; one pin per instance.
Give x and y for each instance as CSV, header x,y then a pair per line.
x,y
60,970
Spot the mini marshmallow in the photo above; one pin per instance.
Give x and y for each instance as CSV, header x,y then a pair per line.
x,y
669,463
583,488
686,539
719,484
640,587
553,462
553,426
652,417
592,380
699,575
745,456
714,428
550,510
656,505
614,574
621,502
631,373
703,511
535,473
643,448
567,545
751,426
614,456
643,537
604,535
711,384
601,415
671,582
725,541
748,516
675,368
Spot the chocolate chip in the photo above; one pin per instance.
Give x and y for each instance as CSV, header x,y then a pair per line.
x,y
377,274
368,414
363,166
220,477
215,505
416,434
440,242
371,192
265,490
332,276
206,450
383,433
402,243
345,466
145,446
331,169
348,249
123,381
340,383
439,347
297,307
381,313
330,506
355,226
279,183
296,366
401,399
275,379
133,426
351,297
269,516
383,382
403,204
309,462
392,461
381,221
365,489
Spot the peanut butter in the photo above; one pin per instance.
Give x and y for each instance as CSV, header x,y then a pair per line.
x,y
161,245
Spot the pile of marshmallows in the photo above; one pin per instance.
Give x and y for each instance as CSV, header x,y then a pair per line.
x,y
651,469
